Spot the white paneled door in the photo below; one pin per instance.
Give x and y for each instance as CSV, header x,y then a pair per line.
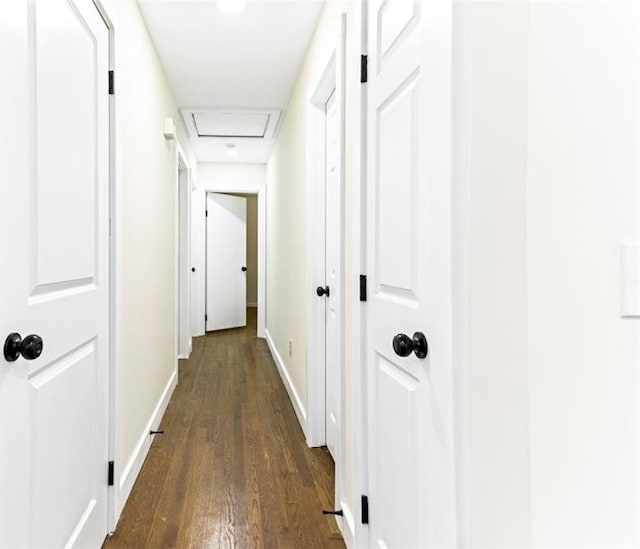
x,y
54,274
226,261
410,395
333,273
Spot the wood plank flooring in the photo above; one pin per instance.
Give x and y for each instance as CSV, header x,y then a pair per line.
x,y
232,469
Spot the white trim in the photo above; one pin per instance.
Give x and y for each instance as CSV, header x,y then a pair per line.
x,y
115,276
182,197
460,267
347,525
131,470
261,192
298,407
355,209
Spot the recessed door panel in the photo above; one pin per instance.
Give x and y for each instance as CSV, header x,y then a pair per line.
x,y
399,413
65,171
395,19
62,415
396,189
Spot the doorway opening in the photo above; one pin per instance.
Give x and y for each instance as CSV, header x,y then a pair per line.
x,y
326,265
234,244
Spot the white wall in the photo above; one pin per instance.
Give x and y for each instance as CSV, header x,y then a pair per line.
x,y
145,238
547,167
582,197
222,177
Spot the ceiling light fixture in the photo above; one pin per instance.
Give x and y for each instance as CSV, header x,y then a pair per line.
x,y
231,6
230,149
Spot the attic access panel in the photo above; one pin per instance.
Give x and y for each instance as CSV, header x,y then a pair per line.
x,y
230,124
226,123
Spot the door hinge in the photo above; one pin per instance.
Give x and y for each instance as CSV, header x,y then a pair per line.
x,y
363,287
365,509
110,474
364,73
112,84
205,318
206,213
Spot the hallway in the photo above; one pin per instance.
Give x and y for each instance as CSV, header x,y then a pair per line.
x,y
233,468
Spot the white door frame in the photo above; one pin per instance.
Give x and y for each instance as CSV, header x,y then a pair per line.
x,y
182,197
260,191
316,235
332,79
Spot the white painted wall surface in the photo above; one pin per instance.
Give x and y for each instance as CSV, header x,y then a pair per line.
x,y
583,199
144,229
547,167
491,80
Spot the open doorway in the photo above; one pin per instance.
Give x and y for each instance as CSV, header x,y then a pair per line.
x,y
232,259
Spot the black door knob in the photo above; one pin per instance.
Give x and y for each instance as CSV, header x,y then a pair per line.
x,y
403,345
322,291
30,347
244,269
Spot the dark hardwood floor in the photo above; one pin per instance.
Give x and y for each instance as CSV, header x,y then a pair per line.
x,y
233,468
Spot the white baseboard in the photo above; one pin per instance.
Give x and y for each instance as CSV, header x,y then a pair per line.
x,y
131,470
347,525
252,305
298,407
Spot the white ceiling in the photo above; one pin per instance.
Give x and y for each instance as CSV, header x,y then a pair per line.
x,y
246,60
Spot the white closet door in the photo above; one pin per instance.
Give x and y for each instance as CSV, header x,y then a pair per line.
x,y
54,280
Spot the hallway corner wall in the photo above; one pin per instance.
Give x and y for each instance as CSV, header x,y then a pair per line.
x,y
144,227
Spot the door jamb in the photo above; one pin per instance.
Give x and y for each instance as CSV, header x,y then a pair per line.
x,y
182,226
115,278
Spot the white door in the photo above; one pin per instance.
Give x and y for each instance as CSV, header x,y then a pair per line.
x,y
333,316
226,261
410,411
54,274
